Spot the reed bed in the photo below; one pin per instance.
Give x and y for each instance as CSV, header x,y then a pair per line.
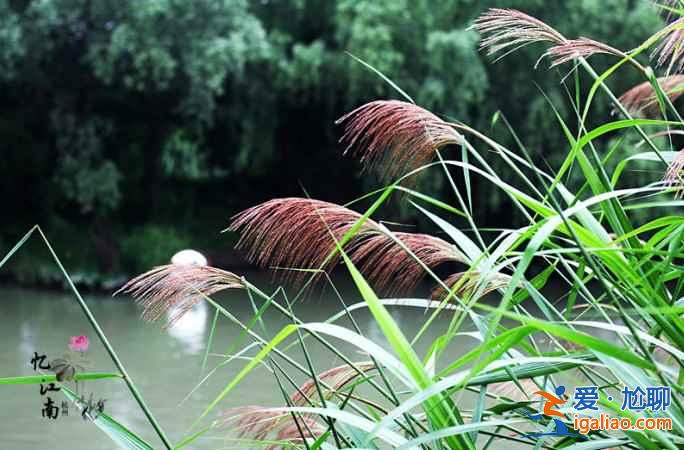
x,y
615,252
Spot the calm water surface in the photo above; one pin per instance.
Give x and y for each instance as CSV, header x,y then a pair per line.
x,y
165,365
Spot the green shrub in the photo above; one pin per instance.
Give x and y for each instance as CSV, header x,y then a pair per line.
x,y
151,245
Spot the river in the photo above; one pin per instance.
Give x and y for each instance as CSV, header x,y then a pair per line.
x,y
165,365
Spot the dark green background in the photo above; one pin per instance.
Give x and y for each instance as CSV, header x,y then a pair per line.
x,y
132,128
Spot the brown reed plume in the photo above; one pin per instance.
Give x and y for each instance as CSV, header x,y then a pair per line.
x,y
670,51
469,285
254,421
335,378
397,136
510,390
176,288
260,423
292,432
295,233
391,269
301,233
674,175
642,99
510,29
581,48
667,14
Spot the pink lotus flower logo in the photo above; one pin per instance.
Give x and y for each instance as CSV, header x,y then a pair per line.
x,y
78,343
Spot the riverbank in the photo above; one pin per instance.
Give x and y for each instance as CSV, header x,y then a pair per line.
x,y
32,265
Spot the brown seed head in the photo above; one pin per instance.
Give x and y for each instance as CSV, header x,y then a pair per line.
x,y
177,288
255,422
581,47
470,284
336,378
292,433
674,175
510,390
667,4
642,99
510,29
670,51
392,269
301,233
260,423
395,137
295,233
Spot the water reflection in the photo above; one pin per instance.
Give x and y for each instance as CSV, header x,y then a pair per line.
x,y
190,329
27,342
165,364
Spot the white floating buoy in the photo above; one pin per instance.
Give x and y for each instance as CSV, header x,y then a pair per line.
x,y
189,258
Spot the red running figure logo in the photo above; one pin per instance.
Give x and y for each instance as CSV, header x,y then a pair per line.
x,y
561,429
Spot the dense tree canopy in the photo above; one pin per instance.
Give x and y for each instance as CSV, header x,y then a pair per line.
x,y
123,117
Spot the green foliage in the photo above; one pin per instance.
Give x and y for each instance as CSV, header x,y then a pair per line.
x,y
115,430
11,45
182,156
151,245
33,265
171,45
584,240
83,174
465,84
586,230
117,102
614,318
